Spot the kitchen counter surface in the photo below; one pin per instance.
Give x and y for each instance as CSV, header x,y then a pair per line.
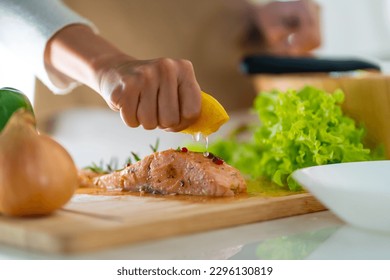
x,y
318,235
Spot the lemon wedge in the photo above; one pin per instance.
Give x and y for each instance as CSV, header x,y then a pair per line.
x,y
212,117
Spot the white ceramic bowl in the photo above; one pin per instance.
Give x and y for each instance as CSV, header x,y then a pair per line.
x,y
357,192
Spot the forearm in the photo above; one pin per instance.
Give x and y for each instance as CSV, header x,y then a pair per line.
x,y
80,54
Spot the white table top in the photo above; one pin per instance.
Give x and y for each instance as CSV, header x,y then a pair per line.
x,y
318,236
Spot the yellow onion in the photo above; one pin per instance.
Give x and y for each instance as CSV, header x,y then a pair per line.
x,y
37,175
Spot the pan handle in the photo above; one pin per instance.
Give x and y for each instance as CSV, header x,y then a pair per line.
x,y
263,64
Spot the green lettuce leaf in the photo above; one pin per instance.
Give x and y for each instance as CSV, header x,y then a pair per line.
x,y
298,129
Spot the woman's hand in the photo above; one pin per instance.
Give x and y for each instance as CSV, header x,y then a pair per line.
x,y
154,93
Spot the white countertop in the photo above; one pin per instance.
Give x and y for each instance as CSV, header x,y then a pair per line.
x,y
318,236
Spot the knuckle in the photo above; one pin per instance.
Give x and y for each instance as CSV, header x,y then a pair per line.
x,y
186,66
186,63
166,65
187,69
166,61
146,75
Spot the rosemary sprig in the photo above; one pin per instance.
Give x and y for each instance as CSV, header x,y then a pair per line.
x,y
113,164
136,157
155,147
104,168
95,168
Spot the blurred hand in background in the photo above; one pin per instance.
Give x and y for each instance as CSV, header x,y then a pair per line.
x,y
289,28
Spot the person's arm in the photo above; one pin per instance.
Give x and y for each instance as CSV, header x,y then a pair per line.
x,y
153,93
63,50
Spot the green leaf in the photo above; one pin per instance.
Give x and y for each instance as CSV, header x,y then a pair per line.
x,y
298,129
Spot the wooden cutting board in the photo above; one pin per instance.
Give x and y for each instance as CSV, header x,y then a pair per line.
x,y
92,222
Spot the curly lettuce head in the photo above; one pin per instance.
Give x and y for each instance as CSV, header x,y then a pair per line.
x,y
304,128
298,129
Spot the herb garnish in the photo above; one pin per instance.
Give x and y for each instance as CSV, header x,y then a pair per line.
x,y
103,168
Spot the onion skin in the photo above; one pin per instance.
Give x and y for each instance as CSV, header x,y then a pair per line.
x,y
37,175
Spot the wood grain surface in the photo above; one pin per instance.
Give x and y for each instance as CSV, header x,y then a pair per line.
x,y
95,222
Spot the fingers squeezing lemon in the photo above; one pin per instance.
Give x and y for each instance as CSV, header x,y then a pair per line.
x,y
212,117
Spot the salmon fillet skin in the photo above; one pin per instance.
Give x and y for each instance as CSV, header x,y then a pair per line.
x,y
177,172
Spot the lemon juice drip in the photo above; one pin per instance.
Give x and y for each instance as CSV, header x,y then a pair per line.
x,y
199,137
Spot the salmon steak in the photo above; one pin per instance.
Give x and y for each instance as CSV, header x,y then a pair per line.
x,y
176,172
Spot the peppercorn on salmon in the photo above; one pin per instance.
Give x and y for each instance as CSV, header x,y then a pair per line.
x,y
176,172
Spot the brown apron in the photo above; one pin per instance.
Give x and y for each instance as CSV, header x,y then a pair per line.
x,y
204,32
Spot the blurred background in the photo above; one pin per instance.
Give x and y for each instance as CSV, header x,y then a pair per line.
x,y
356,28
201,31
349,28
